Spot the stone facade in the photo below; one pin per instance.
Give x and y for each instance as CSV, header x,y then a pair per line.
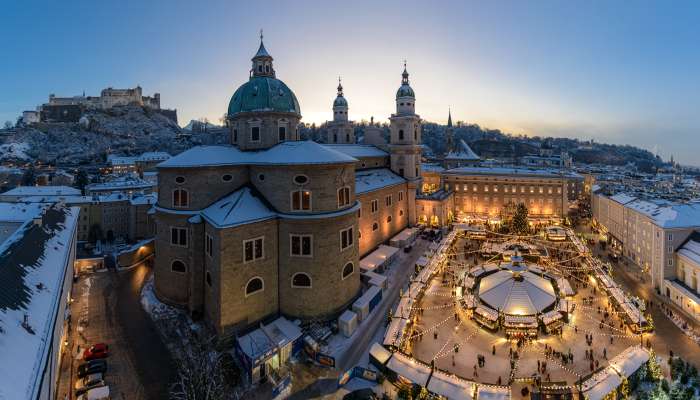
x,y
389,219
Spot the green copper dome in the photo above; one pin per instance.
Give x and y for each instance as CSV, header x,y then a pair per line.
x,y
405,91
340,102
263,93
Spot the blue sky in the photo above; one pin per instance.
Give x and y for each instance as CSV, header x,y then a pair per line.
x,y
610,71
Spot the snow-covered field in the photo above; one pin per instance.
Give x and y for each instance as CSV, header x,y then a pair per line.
x,y
14,151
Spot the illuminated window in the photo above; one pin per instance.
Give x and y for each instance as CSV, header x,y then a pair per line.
x,y
301,200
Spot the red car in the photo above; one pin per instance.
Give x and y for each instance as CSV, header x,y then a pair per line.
x,y
99,350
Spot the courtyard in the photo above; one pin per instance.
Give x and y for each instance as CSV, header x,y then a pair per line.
x,y
513,311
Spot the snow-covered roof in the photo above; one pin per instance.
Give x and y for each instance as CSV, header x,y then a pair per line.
x,y
600,384
42,191
18,212
629,361
451,386
120,184
369,180
359,150
34,262
489,392
623,198
409,368
428,167
153,156
285,153
514,171
462,152
301,152
238,208
121,160
146,199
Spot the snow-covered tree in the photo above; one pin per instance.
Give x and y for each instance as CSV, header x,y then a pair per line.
x,y
199,375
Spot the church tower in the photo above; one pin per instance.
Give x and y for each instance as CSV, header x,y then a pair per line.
x,y
340,130
405,140
449,134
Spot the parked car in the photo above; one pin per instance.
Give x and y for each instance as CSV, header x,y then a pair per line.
x,y
91,381
91,367
98,393
99,350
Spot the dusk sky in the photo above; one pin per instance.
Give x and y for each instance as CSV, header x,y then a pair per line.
x,y
617,72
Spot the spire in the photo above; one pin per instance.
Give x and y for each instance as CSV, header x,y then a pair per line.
x,y
449,118
404,75
262,61
340,88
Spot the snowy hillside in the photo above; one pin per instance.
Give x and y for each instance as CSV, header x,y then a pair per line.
x,y
121,130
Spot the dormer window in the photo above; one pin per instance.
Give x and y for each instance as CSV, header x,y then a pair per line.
x,y
255,134
267,69
259,68
400,134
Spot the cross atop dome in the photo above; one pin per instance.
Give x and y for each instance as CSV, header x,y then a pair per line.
x,y
340,88
262,61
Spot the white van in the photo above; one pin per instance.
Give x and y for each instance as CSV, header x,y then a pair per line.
x,y
100,393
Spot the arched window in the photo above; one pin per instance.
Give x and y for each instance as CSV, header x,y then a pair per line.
x,y
388,219
400,134
375,226
254,285
180,198
348,269
301,280
178,266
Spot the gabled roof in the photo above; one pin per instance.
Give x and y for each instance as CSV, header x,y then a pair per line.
x,y
358,150
374,179
463,152
238,208
286,153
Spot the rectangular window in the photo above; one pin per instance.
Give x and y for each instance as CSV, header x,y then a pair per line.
x,y
300,245
475,188
375,206
235,135
301,200
178,236
343,196
209,245
401,195
282,133
253,249
389,200
255,134
346,238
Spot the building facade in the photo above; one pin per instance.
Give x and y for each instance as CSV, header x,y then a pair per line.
x,y
270,225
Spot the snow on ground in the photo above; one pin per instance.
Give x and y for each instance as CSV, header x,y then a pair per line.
x,y
14,151
154,307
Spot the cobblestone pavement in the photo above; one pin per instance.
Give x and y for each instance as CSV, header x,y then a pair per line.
x,y
105,309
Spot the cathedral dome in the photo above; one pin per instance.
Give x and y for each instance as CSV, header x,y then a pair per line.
x,y
405,91
263,93
340,102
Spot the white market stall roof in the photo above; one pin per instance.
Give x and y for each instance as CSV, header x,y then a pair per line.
x,y
551,316
489,392
629,361
565,287
520,320
403,309
450,386
599,385
422,261
502,291
394,331
378,257
486,313
380,353
405,235
409,368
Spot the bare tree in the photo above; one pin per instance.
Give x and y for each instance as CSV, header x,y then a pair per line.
x,y
199,375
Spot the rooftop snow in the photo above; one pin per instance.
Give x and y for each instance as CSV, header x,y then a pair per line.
x,y
33,268
238,208
42,191
17,212
358,150
431,167
374,179
464,152
623,198
285,153
539,172
120,184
